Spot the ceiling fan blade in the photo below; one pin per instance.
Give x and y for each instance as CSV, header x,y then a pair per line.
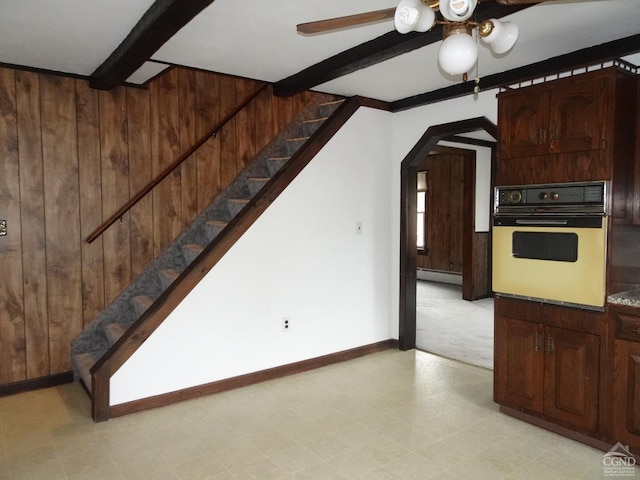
x,y
347,21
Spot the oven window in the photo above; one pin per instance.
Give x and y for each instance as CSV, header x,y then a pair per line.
x,y
557,247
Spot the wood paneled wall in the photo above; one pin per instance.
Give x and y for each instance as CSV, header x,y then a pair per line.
x,y
444,214
70,156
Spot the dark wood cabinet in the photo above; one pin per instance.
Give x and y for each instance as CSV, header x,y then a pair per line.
x,y
626,388
564,116
578,128
627,393
563,367
545,368
636,167
519,367
571,378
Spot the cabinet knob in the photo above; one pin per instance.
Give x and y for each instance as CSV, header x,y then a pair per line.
x,y
550,345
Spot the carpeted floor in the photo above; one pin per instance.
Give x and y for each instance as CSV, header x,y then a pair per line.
x,y
452,327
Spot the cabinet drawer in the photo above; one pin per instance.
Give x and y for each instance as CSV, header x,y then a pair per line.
x,y
627,326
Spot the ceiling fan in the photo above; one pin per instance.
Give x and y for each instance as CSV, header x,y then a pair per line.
x,y
459,51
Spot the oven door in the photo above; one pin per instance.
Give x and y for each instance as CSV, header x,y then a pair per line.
x,y
560,261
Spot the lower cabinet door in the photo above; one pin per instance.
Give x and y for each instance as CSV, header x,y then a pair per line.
x,y
571,378
627,393
518,365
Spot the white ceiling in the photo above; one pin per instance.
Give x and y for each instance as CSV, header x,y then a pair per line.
x,y
258,39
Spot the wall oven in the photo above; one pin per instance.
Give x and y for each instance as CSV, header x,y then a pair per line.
x,y
549,243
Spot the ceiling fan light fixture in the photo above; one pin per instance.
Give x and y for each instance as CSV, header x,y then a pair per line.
x,y
413,16
457,10
459,51
499,36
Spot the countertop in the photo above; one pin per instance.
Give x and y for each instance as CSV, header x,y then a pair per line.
x,y
630,297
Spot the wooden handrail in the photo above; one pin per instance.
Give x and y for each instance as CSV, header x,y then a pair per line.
x,y
153,317
151,185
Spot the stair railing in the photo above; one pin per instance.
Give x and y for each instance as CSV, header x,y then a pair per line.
x,y
167,171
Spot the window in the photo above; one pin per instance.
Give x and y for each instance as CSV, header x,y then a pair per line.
x,y
422,206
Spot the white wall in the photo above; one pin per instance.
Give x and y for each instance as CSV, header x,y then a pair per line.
x,y
302,259
408,127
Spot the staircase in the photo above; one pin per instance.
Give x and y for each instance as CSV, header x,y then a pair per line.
x,y
126,314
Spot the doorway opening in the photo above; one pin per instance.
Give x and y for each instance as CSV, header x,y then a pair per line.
x,y
408,219
453,321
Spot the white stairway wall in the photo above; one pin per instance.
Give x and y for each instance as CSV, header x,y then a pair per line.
x,y
303,259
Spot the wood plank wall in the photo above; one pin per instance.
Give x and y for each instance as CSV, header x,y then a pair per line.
x,y
69,157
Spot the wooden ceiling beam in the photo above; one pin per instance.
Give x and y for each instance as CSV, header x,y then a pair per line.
x,y
562,63
375,51
159,23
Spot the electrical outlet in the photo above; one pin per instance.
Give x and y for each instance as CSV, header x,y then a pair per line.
x,y
3,228
286,324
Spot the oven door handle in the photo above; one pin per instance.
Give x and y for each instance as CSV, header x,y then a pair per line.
x,y
540,222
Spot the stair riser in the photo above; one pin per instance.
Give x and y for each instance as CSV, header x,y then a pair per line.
x,y
255,186
293,145
113,332
327,110
310,127
274,166
167,278
140,305
213,230
190,253
235,208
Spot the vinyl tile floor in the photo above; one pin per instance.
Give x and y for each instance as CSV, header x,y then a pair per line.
x,y
389,415
452,327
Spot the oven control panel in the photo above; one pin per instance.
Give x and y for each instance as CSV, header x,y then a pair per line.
x,y
579,197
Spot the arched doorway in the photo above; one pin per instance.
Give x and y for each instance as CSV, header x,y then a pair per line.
x,y
408,214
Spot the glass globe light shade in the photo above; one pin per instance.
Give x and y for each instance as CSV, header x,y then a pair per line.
x,y
458,53
413,15
457,10
502,36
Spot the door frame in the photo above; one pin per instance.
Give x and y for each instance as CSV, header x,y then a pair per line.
x,y
408,213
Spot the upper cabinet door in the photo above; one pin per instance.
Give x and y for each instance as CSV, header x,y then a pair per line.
x,y
523,119
578,115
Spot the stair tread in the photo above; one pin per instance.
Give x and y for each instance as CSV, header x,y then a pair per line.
x,y
140,304
170,272
114,331
217,223
143,300
193,246
239,200
297,139
332,102
279,158
315,120
259,179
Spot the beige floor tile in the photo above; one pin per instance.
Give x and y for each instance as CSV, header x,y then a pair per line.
x,y
388,416
238,454
263,469
49,470
327,447
355,463
200,468
295,459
